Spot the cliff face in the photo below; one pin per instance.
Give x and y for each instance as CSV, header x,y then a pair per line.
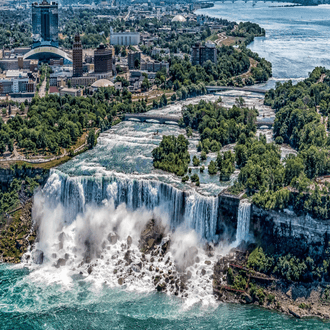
x,y
227,217
288,232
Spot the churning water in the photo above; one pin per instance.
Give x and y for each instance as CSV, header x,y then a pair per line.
x,y
113,188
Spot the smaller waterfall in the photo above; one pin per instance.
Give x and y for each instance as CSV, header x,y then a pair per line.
x,y
243,222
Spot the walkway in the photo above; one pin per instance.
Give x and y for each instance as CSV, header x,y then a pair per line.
x,y
212,89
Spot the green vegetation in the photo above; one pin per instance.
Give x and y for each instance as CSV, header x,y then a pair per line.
x,y
15,31
172,155
309,267
217,125
276,184
247,30
54,123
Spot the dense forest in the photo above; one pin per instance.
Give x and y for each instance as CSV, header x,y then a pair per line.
x,y
217,126
55,122
172,155
301,121
15,29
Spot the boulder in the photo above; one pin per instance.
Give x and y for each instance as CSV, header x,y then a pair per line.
x,y
151,242
129,241
128,258
203,272
207,262
294,310
38,257
89,270
189,275
136,268
60,262
248,298
161,286
112,238
120,281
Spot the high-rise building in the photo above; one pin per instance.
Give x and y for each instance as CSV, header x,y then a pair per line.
x,y
103,59
134,60
45,24
201,54
77,57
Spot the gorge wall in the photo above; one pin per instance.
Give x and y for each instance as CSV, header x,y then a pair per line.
x,y
288,232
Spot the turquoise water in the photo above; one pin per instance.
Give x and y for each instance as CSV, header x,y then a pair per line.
x,y
44,298
28,305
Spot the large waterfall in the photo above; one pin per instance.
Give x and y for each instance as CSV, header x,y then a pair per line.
x,y
243,221
188,210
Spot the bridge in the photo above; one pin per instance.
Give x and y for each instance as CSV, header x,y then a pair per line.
x,y
212,89
174,120
169,120
265,123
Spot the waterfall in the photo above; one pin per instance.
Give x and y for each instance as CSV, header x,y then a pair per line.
x,y
243,222
188,210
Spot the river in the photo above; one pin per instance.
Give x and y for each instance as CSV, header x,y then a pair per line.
x,y
296,38
78,202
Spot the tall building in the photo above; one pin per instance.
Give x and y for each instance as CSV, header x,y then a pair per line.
x,y
103,59
77,57
134,60
201,54
45,24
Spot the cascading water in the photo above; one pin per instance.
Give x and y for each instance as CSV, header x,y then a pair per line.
x,y
189,210
243,222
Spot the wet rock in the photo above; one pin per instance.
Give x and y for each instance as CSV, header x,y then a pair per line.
x,y
89,270
121,281
54,255
60,262
136,268
115,271
161,286
197,260
151,242
207,262
114,256
104,244
38,257
189,275
248,299
112,238
203,272
150,269
152,259
108,247
66,256
128,258
129,240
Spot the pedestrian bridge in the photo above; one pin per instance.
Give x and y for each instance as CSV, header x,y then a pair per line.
x,y
169,120
267,124
174,120
213,89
